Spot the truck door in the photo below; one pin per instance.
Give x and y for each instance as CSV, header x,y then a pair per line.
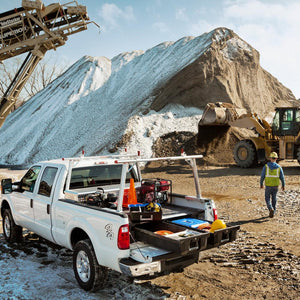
x,y
43,201
23,198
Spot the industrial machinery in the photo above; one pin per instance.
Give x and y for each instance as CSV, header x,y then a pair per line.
x,y
34,29
282,136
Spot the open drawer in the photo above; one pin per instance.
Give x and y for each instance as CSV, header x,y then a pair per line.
x,y
171,237
216,238
222,236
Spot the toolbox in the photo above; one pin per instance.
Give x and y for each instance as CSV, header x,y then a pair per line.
x,y
190,222
138,213
222,236
171,237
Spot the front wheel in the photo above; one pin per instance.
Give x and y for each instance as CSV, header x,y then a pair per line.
x,y
89,274
245,154
12,232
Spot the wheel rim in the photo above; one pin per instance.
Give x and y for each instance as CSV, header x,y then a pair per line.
x,y
243,153
7,227
83,266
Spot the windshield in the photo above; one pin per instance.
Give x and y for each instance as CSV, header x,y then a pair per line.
x,y
100,175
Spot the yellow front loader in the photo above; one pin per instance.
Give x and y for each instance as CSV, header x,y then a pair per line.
x,y
282,136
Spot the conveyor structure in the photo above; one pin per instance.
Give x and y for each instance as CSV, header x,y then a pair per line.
x,y
34,29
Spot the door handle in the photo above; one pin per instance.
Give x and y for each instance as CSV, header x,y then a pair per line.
x,y
48,209
31,203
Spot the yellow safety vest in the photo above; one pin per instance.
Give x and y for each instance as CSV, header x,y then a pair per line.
x,y
272,176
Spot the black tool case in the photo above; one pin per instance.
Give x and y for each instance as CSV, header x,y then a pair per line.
x,y
181,241
222,236
136,215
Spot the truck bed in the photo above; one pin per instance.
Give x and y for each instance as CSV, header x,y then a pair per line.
x,y
163,220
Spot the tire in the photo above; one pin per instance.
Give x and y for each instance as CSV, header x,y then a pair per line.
x,y
245,154
88,273
11,232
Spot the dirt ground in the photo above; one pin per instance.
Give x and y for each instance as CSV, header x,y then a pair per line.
x,y
263,263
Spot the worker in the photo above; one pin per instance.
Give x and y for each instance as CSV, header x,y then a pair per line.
x,y
272,173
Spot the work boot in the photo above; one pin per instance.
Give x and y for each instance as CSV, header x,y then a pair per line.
x,y
271,214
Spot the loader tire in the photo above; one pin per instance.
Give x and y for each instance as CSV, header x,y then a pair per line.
x,y
245,154
298,155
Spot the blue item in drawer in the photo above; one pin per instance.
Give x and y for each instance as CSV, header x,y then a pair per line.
x,y
189,222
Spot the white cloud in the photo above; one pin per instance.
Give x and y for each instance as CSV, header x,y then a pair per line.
x,y
249,10
272,28
253,11
112,15
267,21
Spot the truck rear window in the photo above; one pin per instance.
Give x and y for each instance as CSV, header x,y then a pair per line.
x,y
99,176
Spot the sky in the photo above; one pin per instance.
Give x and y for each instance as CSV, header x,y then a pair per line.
x,y
270,26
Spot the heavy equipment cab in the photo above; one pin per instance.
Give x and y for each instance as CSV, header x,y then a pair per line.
x,y
286,121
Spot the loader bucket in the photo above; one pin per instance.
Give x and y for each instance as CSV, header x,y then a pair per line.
x,y
220,114
214,116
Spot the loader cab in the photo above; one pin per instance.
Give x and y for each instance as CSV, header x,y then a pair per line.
x,y
286,121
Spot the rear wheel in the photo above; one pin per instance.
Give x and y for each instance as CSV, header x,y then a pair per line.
x,y
12,232
245,154
89,274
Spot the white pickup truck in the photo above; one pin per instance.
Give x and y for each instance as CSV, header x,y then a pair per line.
x,y
110,217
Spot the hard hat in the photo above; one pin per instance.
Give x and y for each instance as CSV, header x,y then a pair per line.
x,y
273,155
216,225
153,207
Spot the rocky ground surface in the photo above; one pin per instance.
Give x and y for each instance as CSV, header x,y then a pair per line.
x,y
263,263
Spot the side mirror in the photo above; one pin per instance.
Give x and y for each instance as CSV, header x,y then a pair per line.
x,y
6,186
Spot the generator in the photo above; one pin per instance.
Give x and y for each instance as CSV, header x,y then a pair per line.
x,y
155,190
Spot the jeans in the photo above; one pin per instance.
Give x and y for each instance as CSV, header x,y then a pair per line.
x,y
271,192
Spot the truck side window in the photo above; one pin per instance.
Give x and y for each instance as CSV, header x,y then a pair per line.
x,y
29,179
47,181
